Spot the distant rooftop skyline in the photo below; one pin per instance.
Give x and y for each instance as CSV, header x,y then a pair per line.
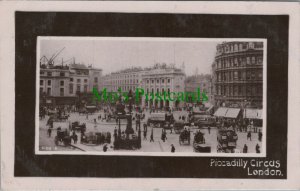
x,y
113,55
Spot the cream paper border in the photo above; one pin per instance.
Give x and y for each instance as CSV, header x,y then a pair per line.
x,y
7,59
152,39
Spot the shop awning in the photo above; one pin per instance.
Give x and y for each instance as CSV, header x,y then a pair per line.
x,y
253,113
232,112
221,112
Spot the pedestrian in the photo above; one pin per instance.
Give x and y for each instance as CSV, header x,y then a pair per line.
x,y
105,148
151,136
245,149
208,129
259,135
115,130
49,132
257,148
145,135
75,137
172,148
249,135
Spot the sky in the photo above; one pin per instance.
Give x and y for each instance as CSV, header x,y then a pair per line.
x,y
115,54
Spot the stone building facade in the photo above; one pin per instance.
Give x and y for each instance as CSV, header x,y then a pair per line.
x,y
238,74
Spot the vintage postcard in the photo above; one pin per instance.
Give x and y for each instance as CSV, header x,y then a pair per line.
x,y
151,96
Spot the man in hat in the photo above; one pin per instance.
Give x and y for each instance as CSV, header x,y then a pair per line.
x,y
172,148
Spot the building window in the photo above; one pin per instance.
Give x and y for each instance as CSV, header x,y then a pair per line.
x,y
251,45
49,91
248,75
253,60
62,83
169,80
71,79
147,81
61,91
243,61
85,88
49,82
41,73
85,80
236,76
71,88
248,60
41,90
157,81
96,80
162,81
62,74
78,88
78,80
235,62
235,47
253,75
157,90
259,75
49,73
259,60
241,47
41,82
152,81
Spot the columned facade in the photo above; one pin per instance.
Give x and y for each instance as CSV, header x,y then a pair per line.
x,y
238,74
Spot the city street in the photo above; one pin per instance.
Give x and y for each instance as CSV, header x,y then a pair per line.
x,y
48,144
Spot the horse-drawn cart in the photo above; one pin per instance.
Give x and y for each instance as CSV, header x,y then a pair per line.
x,y
76,126
199,144
185,137
96,138
62,138
226,140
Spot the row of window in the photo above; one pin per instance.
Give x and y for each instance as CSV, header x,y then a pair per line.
x,y
71,88
49,82
157,90
116,82
239,75
239,61
235,90
62,74
158,81
48,91
125,76
235,47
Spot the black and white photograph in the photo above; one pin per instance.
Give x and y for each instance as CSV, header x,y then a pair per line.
x,y
151,96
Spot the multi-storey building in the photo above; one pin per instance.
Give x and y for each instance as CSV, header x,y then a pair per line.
x,y
128,79
203,82
63,84
238,74
160,79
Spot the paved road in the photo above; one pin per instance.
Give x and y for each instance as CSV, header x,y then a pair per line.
x,y
157,146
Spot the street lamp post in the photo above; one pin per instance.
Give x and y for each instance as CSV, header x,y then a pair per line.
x,y
129,129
